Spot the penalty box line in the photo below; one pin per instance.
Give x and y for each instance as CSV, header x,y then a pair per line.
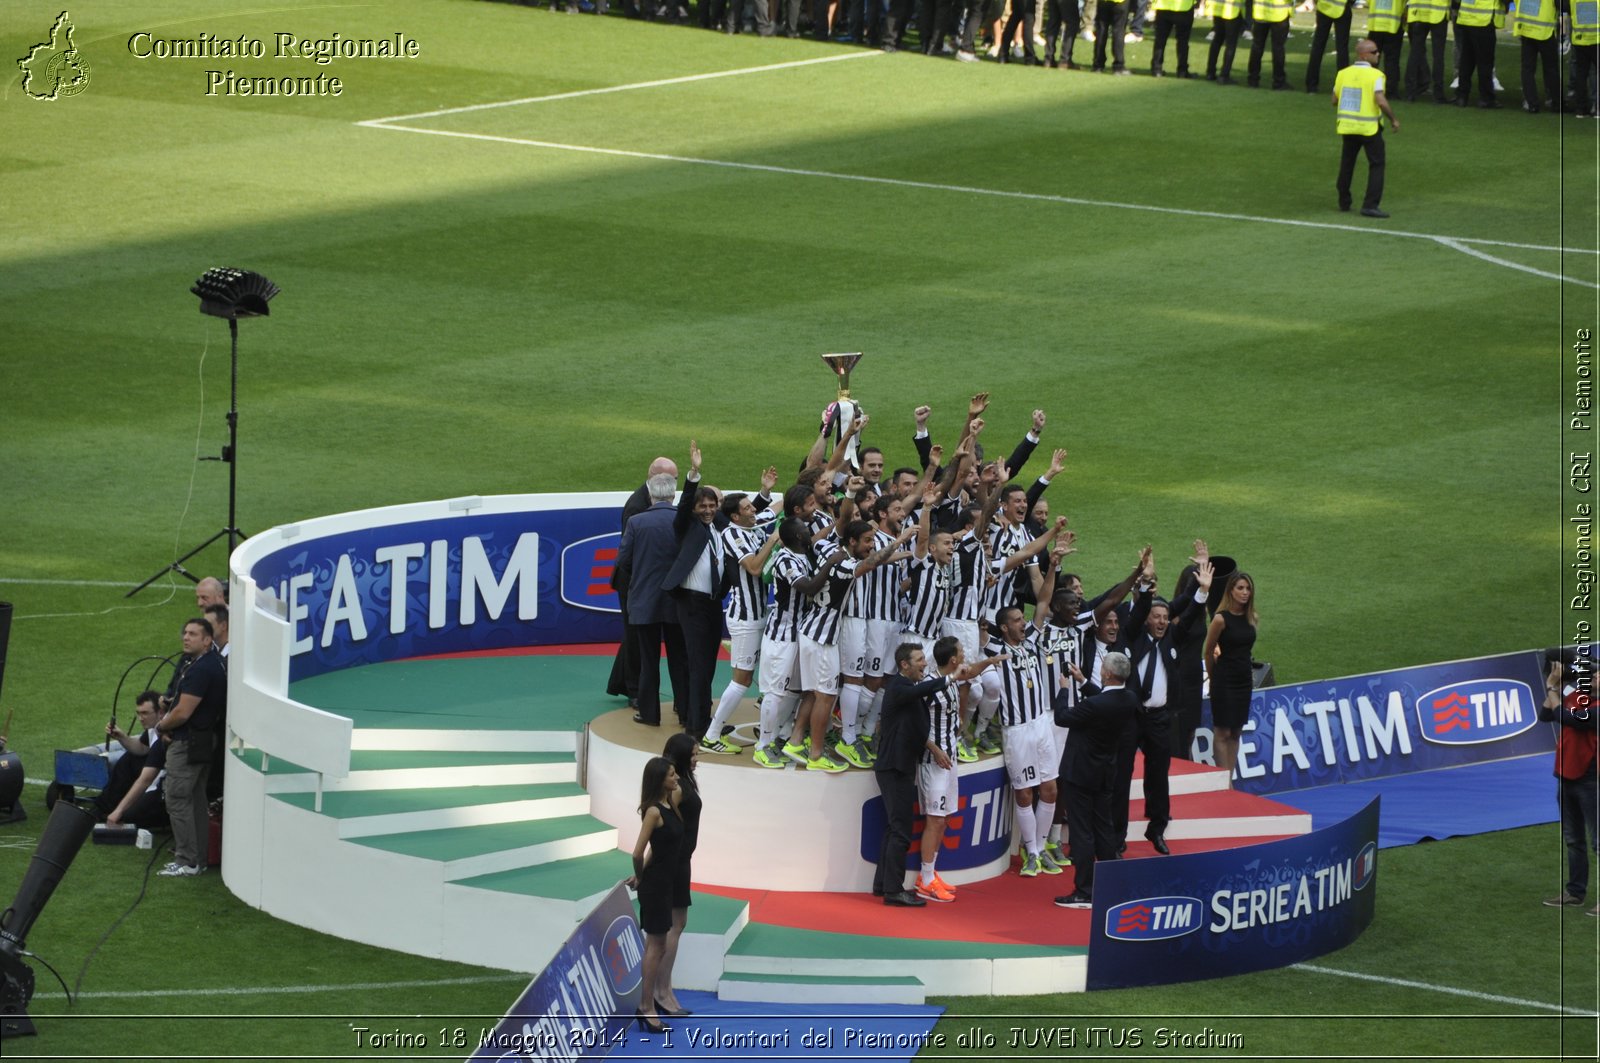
x,y
1455,243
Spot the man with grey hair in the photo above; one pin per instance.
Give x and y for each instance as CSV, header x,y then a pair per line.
x,y
624,679
648,549
1089,768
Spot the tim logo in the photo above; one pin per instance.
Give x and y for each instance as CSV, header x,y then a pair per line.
x,y
623,950
1366,865
1481,710
586,569
1154,919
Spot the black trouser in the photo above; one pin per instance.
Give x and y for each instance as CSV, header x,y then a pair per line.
x,y
866,21
1170,23
1389,47
1355,144
899,790
935,22
1089,833
1111,20
1583,77
1122,785
1061,20
1532,53
1022,12
1477,55
789,18
1155,742
121,777
647,641
1418,74
700,617
1278,34
1319,44
1224,34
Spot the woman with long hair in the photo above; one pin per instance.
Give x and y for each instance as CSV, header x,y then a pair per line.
x,y
683,750
661,831
1229,640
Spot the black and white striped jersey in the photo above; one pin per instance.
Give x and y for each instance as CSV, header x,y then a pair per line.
x,y
820,619
928,601
875,596
1003,542
969,568
944,717
783,623
1058,645
1022,688
747,600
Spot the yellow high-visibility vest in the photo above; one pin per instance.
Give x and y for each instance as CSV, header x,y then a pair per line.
x,y
1534,19
1224,9
1431,12
1356,88
1585,22
1384,16
1479,13
1333,8
1272,10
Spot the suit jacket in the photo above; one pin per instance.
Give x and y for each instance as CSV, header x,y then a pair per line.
x,y
1097,723
692,535
1145,650
648,547
636,504
903,728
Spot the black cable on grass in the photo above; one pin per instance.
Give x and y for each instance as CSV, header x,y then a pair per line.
x,y
72,994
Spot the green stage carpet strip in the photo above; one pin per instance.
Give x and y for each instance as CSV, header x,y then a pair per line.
x,y
352,805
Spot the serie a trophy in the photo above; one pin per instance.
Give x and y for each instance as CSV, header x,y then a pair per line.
x,y
844,411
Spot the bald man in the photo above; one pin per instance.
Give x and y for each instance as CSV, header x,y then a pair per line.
x,y
208,592
624,681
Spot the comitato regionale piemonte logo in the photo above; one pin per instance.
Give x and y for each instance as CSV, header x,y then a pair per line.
x,y
55,68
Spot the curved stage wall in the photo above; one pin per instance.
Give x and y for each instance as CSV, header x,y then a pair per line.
x,y
529,570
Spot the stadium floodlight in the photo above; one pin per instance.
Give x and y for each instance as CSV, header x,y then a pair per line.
x,y
229,293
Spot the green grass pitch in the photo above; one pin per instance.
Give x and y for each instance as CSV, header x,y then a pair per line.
x,y
544,296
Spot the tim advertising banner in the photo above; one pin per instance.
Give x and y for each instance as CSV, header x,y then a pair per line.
x,y
460,584
581,1003
978,833
1232,911
1390,723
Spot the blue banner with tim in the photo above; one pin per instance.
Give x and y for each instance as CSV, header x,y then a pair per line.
x,y
1232,911
473,583
1390,723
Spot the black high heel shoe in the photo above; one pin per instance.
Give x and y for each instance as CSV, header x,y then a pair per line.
x,y
676,1013
647,1026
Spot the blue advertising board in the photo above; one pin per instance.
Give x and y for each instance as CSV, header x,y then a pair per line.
x,y
1390,723
580,1005
1231,911
478,581
978,832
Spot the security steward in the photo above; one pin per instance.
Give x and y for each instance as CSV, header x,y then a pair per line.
x,y
1534,24
1358,97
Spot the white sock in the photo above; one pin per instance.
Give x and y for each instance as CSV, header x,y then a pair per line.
x,y
869,718
730,698
1028,828
849,709
927,872
1044,818
1055,834
772,716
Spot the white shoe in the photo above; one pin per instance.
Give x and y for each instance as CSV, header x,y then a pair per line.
x,y
1087,35
966,57
1497,86
1016,51
1247,35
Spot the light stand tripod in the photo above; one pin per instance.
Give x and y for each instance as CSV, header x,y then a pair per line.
x,y
230,294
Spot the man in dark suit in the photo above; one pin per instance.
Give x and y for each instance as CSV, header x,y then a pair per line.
x,y
902,738
1153,649
1088,770
624,680
648,549
696,583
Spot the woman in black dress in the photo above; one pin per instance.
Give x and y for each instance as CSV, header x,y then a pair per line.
x,y
661,831
1229,641
683,750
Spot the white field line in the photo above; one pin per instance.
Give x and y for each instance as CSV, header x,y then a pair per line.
x,y
1458,245
1493,998
281,990
1454,242
380,122
68,582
